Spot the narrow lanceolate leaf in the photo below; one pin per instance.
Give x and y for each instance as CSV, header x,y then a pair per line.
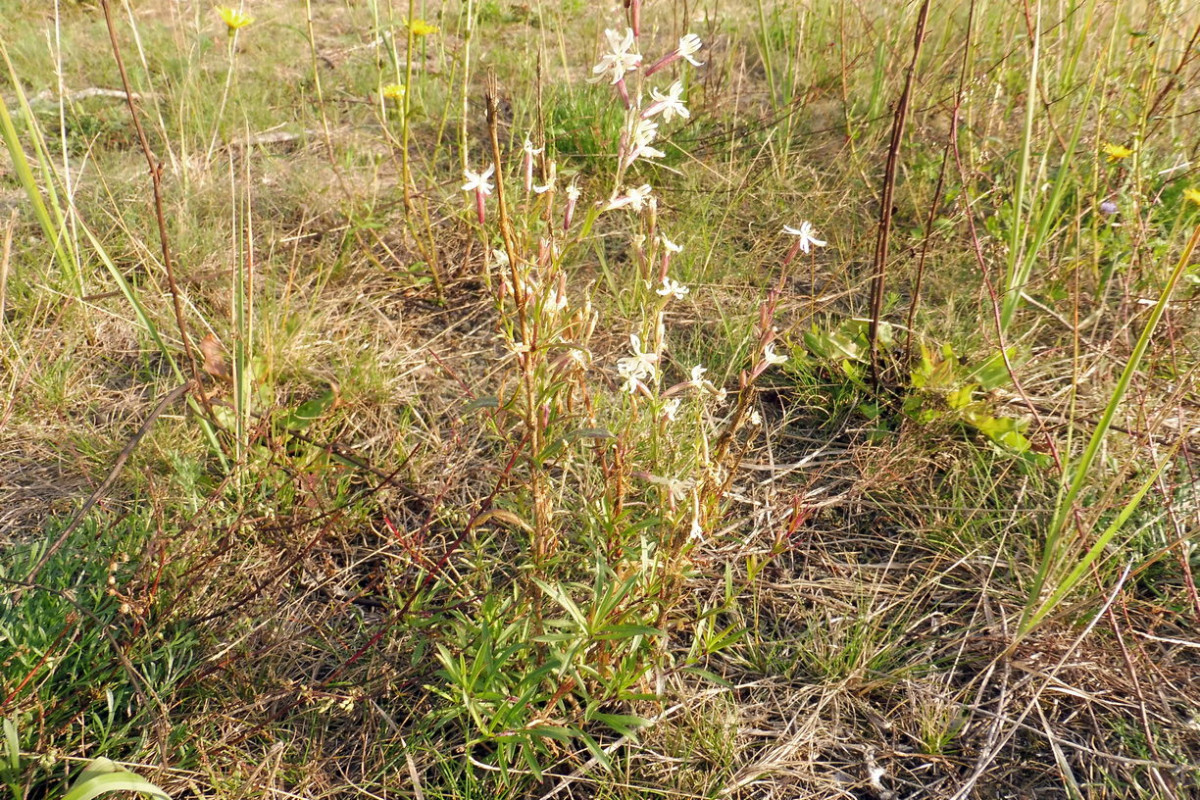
x,y
103,776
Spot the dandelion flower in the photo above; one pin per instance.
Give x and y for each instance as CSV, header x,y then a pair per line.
x,y
1192,195
1116,152
394,92
234,19
420,27
805,233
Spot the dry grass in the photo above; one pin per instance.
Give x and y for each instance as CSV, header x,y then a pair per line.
x,y
273,617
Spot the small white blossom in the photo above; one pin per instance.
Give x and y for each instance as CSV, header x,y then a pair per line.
x,y
550,181
671,409
673,288
478,181
805,232
677,490
755,418
615,63
644,132
698,376
634,198
669,245
689,45
637,368
670,105
696,534
771,357
501,257
529,149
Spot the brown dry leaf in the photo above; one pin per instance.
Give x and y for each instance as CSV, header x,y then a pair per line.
x,y
214,360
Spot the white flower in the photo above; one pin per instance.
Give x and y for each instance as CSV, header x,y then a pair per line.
x,y
644,132
529,149
805,232
478,181
755,418
643,362
573,192
501,257
632,382
673,288
669,105
671,409
669,245
689,45
619,60
771,357
634,198
677,490
550,182
698,377
637,368
697,532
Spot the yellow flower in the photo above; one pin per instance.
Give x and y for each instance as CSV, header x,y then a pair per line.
x,y
420,27
1193,195
394,91
234,19
1116,152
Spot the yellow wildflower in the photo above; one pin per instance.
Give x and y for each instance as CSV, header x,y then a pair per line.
x,y
234,19
420,27
1192,195
1116,152
394,91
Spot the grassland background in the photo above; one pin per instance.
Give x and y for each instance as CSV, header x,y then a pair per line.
x,y
324,579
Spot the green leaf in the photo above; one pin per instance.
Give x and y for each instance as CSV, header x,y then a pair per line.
x,y
624,724
12,750
103,776
708,676
308,412
488,401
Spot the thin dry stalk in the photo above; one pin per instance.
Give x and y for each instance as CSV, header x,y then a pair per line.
x,y
159,215
889,187
5,260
